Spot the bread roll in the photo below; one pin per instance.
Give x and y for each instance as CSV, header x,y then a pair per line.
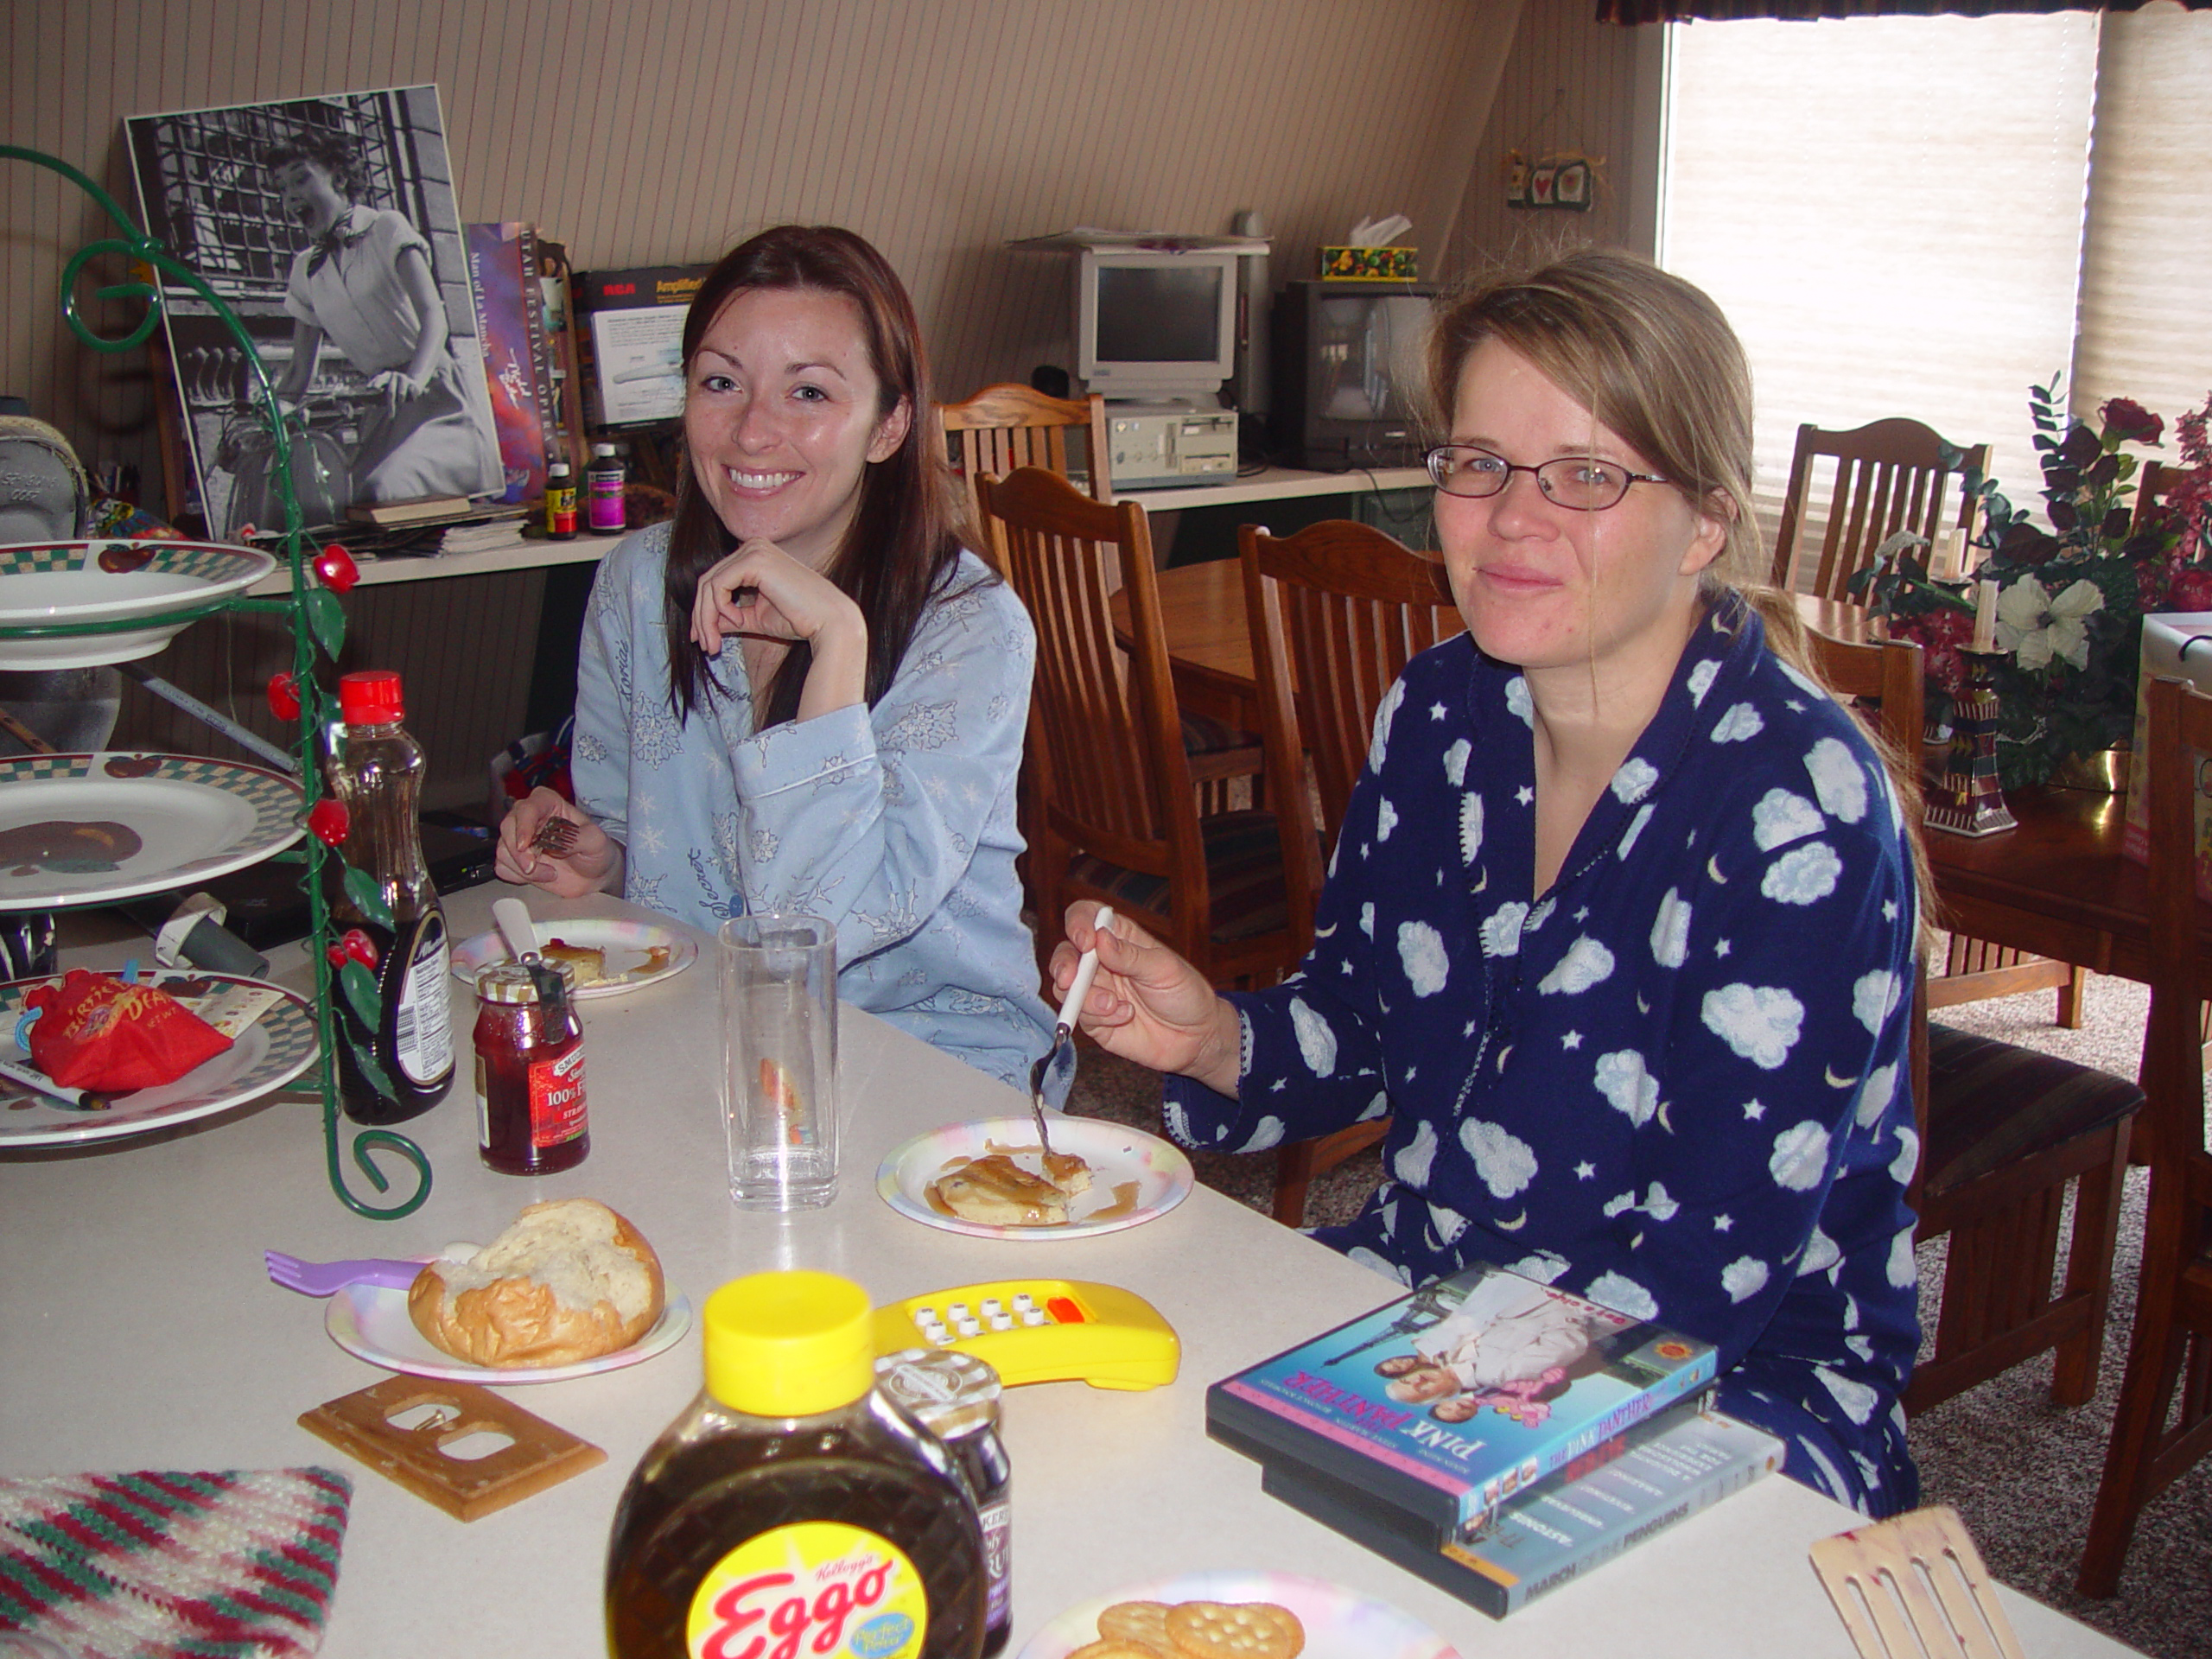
x,y
568,1280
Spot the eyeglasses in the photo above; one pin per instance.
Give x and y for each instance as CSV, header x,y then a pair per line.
x,y
1571,481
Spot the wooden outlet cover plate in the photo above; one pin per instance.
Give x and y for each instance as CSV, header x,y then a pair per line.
x,y
541,1454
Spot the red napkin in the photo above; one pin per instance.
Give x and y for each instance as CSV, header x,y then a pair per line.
x,y
96,1033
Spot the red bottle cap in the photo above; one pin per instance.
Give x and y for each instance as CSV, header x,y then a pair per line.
x,y
370,697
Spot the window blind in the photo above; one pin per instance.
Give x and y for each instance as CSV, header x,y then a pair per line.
x,y
2146,276
1891,211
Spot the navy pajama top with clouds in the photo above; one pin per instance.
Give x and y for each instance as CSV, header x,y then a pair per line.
x,y
1677,1082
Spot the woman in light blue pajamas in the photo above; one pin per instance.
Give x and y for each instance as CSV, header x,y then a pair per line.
x,y
804,693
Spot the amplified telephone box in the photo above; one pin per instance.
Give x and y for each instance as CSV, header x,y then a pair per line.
x,y
630,333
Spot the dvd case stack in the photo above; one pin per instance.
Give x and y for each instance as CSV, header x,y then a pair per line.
x,y
1494,1435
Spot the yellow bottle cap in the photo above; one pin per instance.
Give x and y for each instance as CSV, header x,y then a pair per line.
x,y
789,1344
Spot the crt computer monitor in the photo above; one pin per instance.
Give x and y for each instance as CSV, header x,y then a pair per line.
x,y
1152,324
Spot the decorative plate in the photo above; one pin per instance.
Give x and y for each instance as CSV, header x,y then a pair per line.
x,y
1340,1624
42,584
1135,1177
90,829
628,946
371,1321
269,1053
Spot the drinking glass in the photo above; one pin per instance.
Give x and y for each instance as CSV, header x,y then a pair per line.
x,y
778,980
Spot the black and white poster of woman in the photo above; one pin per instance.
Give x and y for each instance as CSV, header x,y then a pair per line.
x,y
331,226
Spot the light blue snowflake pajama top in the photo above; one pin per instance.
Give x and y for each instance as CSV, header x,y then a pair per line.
x,y
897,823
1677,1083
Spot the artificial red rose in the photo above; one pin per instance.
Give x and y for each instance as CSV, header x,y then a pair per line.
x,y
335,566
329,821
2191,590
2131,422
283,697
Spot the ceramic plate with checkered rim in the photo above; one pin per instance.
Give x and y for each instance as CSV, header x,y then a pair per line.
x,y
92,828
269,1053
113,583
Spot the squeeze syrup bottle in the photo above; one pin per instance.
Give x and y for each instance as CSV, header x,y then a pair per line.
x,y
377,770
793,1507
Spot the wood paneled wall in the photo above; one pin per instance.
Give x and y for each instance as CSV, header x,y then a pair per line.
x,y
664,129
1571,84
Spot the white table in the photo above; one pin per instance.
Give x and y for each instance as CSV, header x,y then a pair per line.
x,y
141,1332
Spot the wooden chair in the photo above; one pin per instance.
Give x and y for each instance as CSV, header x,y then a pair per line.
x,y
2152,485
1007,426
1891,475
2003,1132
1335,612
2164,1425
1117,816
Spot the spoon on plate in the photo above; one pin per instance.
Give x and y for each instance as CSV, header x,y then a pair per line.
x,y
1063,1049
521,935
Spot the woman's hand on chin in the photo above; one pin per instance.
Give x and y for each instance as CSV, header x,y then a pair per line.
x,y
760,592
1148,1004
592,861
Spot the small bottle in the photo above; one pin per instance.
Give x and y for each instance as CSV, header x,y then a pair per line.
x,y
603,481
529,1070
791,1503
560,503
956,1397
377,770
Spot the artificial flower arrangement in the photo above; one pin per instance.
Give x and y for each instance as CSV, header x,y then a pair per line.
x,y
2071,599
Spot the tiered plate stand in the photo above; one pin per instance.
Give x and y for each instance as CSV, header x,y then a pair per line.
x,y
317,622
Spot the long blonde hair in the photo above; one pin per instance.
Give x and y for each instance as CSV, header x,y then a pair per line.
x,y
1654,361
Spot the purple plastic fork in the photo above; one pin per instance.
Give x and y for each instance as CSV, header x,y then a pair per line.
x,y
328,1278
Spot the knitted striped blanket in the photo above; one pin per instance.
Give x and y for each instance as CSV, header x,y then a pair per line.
x,y
239,1564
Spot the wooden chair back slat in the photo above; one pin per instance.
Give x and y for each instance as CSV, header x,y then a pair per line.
x,y
1106,739
2162,1425
1889,475
1335,612
1005,426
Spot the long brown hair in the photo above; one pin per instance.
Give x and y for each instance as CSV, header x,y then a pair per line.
x,y
1654,361
903,540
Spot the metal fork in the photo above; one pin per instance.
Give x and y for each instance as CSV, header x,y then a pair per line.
x,y
556,836
328,1278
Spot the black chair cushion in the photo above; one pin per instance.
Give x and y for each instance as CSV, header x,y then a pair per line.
x,y
1990,1103
1244,878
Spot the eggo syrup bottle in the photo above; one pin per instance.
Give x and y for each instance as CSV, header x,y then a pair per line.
x,y
793,1509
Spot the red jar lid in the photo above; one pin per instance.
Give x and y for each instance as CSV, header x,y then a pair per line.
x,y
370,697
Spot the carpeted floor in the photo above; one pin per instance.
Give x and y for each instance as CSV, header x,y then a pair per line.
x,y
2022,1472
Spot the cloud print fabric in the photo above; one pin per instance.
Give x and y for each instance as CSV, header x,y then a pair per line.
x,y
1671,1082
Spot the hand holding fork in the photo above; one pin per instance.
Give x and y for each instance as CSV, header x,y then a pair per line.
x,y
540,846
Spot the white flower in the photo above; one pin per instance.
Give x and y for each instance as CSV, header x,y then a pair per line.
x,y
2036,627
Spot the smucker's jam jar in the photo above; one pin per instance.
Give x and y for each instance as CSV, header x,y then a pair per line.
x,y
529,1073
793,1509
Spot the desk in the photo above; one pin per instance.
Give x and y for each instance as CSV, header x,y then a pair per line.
x,y
1278,483
143,1335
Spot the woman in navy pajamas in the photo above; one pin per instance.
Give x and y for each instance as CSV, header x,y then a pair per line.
x,y
1620,924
